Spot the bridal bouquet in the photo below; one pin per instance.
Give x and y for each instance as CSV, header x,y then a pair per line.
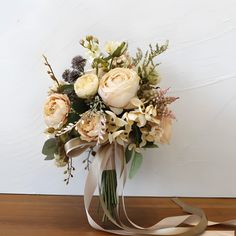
x,y
112,107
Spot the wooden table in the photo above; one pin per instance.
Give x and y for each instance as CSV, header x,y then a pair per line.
x,y
36,215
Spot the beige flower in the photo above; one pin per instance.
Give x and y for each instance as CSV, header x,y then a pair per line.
x,y
91,126
141,115
118,87
56,110
157,133
86,86
117,129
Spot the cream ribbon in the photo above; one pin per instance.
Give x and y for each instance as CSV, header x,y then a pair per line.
x,y
111,155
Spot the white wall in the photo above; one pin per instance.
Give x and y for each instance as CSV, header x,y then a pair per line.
x,y
200,66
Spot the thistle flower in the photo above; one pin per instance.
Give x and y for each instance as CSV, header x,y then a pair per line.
x,y
71,76
78,63
66,75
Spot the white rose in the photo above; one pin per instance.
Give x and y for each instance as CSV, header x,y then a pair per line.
x,y
111,46
118,87
56,110
86,86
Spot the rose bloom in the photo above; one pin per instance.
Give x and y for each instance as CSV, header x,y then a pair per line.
x,y
86,86
56,110
89,126
118,87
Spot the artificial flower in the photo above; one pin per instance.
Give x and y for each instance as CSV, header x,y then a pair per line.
x,y
111,46
86,86
56,110
118,86
91,126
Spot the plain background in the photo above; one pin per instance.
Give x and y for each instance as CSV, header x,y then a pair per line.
x,y
200,68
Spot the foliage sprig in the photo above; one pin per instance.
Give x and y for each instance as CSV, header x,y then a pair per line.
x,y
50,70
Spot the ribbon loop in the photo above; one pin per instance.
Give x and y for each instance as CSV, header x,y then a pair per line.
x,y
109,156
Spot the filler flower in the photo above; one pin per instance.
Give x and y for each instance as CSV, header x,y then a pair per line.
x,y
118,86
86,86
157,133
56,110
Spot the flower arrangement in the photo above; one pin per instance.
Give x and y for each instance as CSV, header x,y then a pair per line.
x,y
112,107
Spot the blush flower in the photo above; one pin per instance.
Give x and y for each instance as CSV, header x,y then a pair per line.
x,y
56,110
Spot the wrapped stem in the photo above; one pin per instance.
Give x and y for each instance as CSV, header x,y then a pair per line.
x,y
108,191
109,186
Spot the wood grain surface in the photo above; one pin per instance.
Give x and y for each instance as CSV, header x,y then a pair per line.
x,y
36,215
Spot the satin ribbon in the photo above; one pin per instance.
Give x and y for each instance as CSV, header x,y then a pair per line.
x,y
108,156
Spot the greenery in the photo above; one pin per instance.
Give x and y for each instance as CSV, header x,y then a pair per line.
x,y
102,61
136,164
50,148
108,191
106,62
50,71
68,171
145,62
128,154
136,134
150,145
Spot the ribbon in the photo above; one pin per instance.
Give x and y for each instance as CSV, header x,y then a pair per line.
x,y
107,157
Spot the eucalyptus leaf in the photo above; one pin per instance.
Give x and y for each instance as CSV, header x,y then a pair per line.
x,y
50,147
129,154
150,145
49,157
135,165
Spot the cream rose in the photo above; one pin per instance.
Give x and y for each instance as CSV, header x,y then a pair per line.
x,y
86,86
89,126
118,87
56,110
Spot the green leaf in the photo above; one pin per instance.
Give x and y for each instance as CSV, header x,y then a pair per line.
x,y
50,147
135,165
150,145
72,117
66,88
49,157
137,134
79,106
120,50
129,154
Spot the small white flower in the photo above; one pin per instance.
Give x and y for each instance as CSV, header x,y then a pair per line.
x,y
111,46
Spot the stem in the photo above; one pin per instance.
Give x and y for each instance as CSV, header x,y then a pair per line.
x,y
50,70
108,191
